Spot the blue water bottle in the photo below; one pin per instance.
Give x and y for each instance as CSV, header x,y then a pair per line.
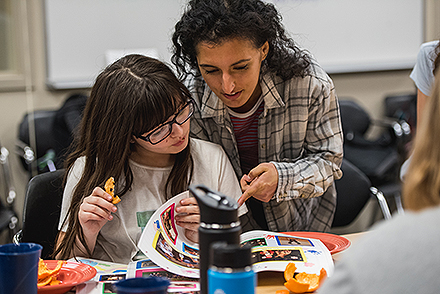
x,y
231,270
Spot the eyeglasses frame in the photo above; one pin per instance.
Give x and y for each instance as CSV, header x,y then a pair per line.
x,y
170,124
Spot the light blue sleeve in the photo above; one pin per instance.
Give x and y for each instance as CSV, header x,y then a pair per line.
x,y
422,72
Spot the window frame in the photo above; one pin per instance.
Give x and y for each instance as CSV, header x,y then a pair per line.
x,y
14,79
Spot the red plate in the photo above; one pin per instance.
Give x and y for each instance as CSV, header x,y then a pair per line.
x,y
71,274
334,243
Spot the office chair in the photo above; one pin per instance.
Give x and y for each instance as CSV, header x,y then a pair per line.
x,y
54,131
403,107
42,209
8,216
379,159
353,192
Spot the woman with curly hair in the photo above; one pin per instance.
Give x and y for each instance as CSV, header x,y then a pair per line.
x,y
269,104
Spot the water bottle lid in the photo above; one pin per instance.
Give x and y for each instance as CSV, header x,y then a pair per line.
x,y
215,208
230,255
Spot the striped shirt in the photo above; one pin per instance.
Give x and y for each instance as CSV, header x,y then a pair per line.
x,y
299,132
246,132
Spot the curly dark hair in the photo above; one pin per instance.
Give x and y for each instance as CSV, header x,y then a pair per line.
x,y
215,21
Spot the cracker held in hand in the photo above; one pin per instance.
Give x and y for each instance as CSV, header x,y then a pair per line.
x,y
110,189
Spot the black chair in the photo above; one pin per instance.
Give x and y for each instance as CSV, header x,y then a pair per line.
x,y
379,159
41,157
54,130
403,107
353,192
8,216
42,209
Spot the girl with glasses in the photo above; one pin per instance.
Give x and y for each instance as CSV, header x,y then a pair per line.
x,y
135,128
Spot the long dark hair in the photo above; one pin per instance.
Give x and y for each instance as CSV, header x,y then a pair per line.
x,y
215,21
130,97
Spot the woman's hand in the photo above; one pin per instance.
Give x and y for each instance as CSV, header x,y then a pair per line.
x,y
95,211
261,183
188,217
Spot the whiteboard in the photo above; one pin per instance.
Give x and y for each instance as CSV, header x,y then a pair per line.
x,y
343,35
356,35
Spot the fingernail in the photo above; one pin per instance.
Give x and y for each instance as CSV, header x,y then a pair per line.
x,y
110,217
114,208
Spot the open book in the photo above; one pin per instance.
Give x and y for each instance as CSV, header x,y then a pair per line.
x,y
166,245
171,254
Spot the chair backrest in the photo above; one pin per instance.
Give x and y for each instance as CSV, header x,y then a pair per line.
x,y
42,210
402,106
353,192
355,120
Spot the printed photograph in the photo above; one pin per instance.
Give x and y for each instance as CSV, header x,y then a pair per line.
x,y
167,218
293,241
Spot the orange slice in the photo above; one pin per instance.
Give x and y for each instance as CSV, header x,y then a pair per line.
x,y
289,272
297,287
284,291
54,281
44,281
322,276
47,276
302,282
311,279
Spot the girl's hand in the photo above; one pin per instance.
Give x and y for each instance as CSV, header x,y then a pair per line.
x,y
188,217
95,211
261,183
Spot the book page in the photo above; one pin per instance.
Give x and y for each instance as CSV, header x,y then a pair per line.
x,y
166,245
272,251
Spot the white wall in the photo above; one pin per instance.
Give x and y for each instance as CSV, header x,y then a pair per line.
x,y
367,88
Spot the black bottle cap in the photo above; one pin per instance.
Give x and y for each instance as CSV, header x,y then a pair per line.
x,y
230,255
215,208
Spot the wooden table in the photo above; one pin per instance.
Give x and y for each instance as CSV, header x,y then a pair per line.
x,y
269,282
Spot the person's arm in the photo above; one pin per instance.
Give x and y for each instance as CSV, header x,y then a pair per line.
x,y
421,102
95,211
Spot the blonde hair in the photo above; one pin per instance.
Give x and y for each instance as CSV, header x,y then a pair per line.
x,y
421,188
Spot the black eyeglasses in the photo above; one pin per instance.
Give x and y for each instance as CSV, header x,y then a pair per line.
x,y
162,132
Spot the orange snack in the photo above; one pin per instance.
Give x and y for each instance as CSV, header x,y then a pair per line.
x,y
44,281
110,189
284,291
289,272
47,276
302,282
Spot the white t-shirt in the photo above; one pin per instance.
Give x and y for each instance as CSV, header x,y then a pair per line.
x,y
118,238
422,74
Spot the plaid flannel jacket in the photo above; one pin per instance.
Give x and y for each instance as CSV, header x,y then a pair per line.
x,y
299,132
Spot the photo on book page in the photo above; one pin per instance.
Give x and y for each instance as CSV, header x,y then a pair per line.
x,y
165,243
167,218
272,251
105,270
146,268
